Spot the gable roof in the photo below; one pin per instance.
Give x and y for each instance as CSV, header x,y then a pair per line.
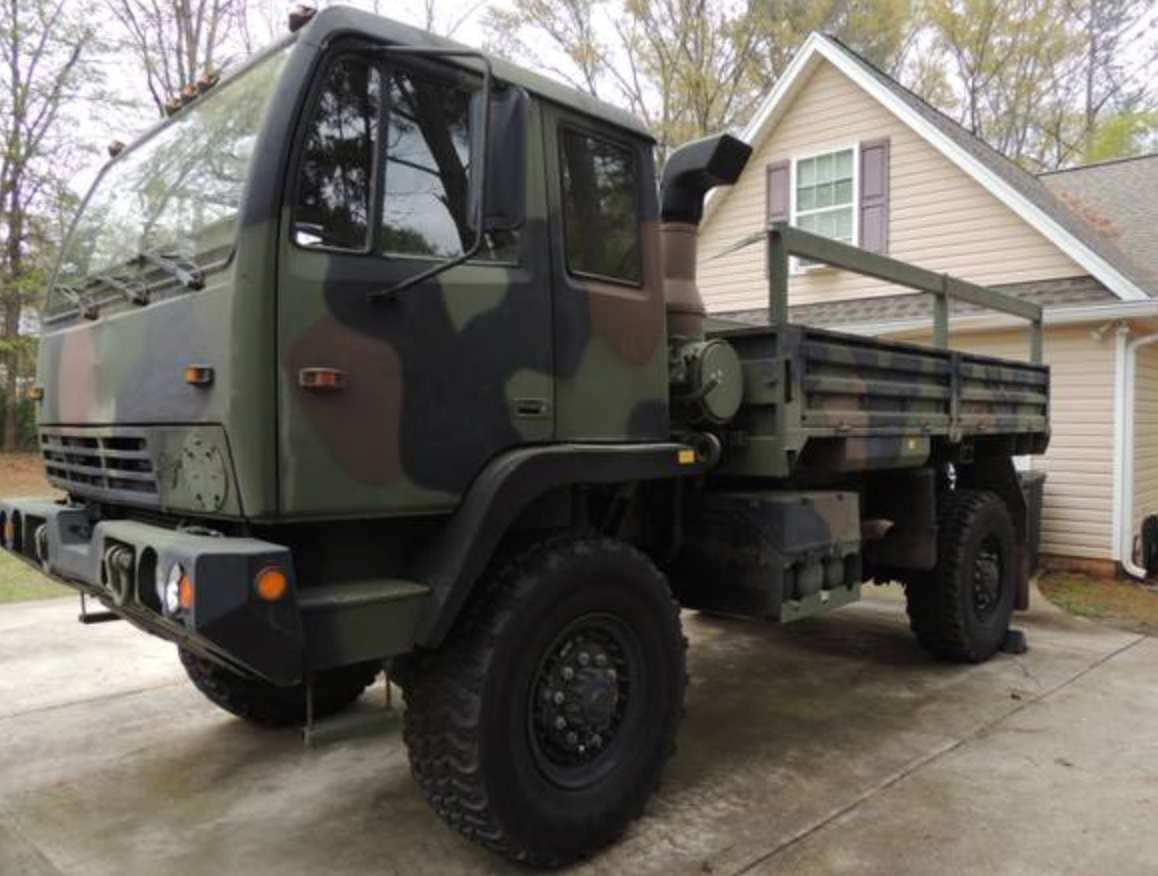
x,y
1122,194
1022,192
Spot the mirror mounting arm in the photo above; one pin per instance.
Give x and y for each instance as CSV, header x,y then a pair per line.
x,y
481,163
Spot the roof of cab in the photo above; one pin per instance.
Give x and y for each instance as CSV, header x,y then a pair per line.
x,y
336,20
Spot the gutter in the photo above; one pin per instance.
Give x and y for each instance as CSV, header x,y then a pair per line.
x,y
1127,365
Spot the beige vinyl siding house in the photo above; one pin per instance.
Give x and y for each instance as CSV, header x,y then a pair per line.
x,y
952,204
1146,436
982,239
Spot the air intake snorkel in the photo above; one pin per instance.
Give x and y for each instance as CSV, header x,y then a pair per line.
x,y
691,172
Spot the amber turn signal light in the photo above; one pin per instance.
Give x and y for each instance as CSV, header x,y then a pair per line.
x,y
325,379
199,375
185,593
271,584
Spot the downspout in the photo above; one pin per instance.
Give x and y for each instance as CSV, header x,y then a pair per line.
x,y
1128,370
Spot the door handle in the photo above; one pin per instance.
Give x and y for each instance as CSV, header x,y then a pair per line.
x,y
532,408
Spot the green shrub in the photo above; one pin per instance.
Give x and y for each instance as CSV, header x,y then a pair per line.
x,y
25,421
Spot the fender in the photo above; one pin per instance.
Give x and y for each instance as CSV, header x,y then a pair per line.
x,y
461,552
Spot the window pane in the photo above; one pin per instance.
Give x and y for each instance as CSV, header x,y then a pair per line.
x,y
844,224
844,164
843,192
425,209
824,169
807,223
824,195
333,206
600,189
806,172
806,198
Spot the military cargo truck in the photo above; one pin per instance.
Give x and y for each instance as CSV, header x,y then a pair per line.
x,y
385,354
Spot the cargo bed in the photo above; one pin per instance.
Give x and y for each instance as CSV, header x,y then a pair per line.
x,y
843,402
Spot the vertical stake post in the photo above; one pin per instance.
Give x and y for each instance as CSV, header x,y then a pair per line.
x,y
941,315
777,276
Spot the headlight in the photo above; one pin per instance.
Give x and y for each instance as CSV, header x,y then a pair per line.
x,y
177,592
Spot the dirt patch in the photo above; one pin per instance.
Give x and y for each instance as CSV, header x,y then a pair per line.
x,y
1126,605
22,474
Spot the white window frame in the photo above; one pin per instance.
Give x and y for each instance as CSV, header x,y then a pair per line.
x,y
799,266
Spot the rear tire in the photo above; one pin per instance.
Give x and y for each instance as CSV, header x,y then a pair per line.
x,y
540,728
266,704
961,610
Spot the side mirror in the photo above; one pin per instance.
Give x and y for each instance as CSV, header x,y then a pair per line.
x,y
505,167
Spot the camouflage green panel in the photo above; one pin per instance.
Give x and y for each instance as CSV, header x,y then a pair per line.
x,y
616,338
844,403
106,379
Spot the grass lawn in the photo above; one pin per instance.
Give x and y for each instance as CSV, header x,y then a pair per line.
x,y
20,583
1127,605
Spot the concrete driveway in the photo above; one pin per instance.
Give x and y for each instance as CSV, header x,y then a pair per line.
x,y
830,746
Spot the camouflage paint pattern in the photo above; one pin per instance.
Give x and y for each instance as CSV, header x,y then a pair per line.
x,y
485,357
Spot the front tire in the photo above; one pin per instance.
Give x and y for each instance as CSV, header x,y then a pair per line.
x,y
541,726
961,610
260,702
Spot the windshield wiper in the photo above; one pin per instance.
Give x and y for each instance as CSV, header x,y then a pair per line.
x,y
134,290
87,309
188,274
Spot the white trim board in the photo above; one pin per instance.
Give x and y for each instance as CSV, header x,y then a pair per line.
x,y
818,47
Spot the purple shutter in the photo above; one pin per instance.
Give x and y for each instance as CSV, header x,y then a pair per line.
x,y
777,194
874,195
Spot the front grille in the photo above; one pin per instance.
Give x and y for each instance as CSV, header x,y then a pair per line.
x,y
99,460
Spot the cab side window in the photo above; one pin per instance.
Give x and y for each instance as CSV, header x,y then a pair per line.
x,y
600,207
426,209
337,170
423,165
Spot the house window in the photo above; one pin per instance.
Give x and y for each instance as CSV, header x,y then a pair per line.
x,y
600,210
824,197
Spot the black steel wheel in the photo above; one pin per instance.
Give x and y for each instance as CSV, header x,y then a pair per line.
x,y
961,610
541,726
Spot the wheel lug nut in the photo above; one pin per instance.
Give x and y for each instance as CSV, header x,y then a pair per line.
x,y
600,660
612,674
559,698
568,673
560,723
584,658
572,738
547,695
596,740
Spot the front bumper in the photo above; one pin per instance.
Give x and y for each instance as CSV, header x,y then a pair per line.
x,y
117,561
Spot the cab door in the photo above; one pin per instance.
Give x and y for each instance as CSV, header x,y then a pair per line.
x,y
610,321
392,405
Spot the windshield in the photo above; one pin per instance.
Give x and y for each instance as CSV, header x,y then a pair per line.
x,y
178,192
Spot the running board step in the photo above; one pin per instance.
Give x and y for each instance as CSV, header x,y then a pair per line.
x,y
353,623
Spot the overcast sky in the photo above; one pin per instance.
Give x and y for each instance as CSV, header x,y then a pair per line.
x,y
136,113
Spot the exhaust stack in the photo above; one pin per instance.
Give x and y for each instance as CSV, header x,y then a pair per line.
x,y
691,172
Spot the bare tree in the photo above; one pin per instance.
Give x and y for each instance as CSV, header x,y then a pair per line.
x,y
177,42
44,50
